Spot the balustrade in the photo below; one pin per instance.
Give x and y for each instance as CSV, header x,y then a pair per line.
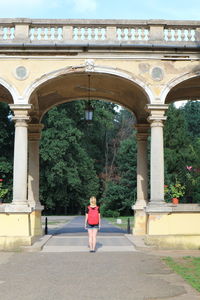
x,y
133,34
7,33
89,33
45,33
179,34
100,31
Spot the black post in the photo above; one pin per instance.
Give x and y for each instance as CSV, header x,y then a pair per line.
x,y
46,226
128,226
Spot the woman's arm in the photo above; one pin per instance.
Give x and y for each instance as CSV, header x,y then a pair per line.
x,y
86,218
99,220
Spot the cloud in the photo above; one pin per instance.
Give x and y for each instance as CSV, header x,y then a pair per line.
x,y
85,5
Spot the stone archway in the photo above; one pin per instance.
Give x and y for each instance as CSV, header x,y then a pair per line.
x,y
64,88
108,87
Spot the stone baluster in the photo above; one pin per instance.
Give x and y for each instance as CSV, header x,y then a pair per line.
x,y
33,165
21,119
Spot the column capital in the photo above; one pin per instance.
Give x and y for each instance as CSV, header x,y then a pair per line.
x,y
21,116
157,112
20,107
142,131
34,131
156,122
21,121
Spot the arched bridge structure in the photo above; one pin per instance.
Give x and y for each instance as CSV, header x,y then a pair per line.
x,y
143,65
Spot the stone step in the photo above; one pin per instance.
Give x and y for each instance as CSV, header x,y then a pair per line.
x,y
80,244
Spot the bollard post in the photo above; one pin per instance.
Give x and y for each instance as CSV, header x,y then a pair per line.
x,y
46,226
128,226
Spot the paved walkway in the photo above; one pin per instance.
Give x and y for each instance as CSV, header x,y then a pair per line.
x,y
128,275
72,237
89,276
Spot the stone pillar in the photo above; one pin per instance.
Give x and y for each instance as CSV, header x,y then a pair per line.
x,y
142,180
21,119
33,166
156,120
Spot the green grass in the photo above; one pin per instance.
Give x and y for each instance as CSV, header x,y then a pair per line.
x,y
188,267
124,222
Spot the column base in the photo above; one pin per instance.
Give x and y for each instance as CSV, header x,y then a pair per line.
x,y
175,226
182,242
19,229
14,243
36,206
140,222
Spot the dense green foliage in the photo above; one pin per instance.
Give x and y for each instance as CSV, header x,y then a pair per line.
x,y
182,149
67,172
7,149
79,159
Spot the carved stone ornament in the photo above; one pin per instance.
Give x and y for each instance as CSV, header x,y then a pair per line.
x,y
157,73
21,73
89,65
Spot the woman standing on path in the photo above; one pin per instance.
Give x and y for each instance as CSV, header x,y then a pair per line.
x,y
92,222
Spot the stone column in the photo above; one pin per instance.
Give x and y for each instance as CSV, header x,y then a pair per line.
x,y
142,180
142,165
156,120
33,166
21,119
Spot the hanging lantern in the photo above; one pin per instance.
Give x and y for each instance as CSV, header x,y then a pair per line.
x,y
88,108
89,111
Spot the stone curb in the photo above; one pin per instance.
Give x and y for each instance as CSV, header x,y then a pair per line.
x,y
38,245
138,241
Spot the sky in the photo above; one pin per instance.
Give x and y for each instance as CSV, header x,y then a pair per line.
x,y
101,9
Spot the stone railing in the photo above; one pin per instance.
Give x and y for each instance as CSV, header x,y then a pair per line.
x,y
127,32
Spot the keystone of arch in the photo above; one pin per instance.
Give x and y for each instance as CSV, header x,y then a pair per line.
x,y
96,69
175,82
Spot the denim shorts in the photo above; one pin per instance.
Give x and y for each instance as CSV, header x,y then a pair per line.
x,y
92,226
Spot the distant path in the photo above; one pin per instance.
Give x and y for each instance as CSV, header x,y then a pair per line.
x,y
76,227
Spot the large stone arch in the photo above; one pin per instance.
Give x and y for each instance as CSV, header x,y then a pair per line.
x,y
83,68
70,84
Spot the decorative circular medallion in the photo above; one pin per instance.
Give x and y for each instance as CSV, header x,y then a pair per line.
x,y
21,73
157,73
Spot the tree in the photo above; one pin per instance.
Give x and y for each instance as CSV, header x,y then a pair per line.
x,y
180,152
121,191
191,112
68,177
177,144
7,149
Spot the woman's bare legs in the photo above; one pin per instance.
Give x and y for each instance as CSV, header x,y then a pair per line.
x,y
92,234
90,238
94,238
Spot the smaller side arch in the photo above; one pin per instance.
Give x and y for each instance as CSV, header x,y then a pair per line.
x,y
174,82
